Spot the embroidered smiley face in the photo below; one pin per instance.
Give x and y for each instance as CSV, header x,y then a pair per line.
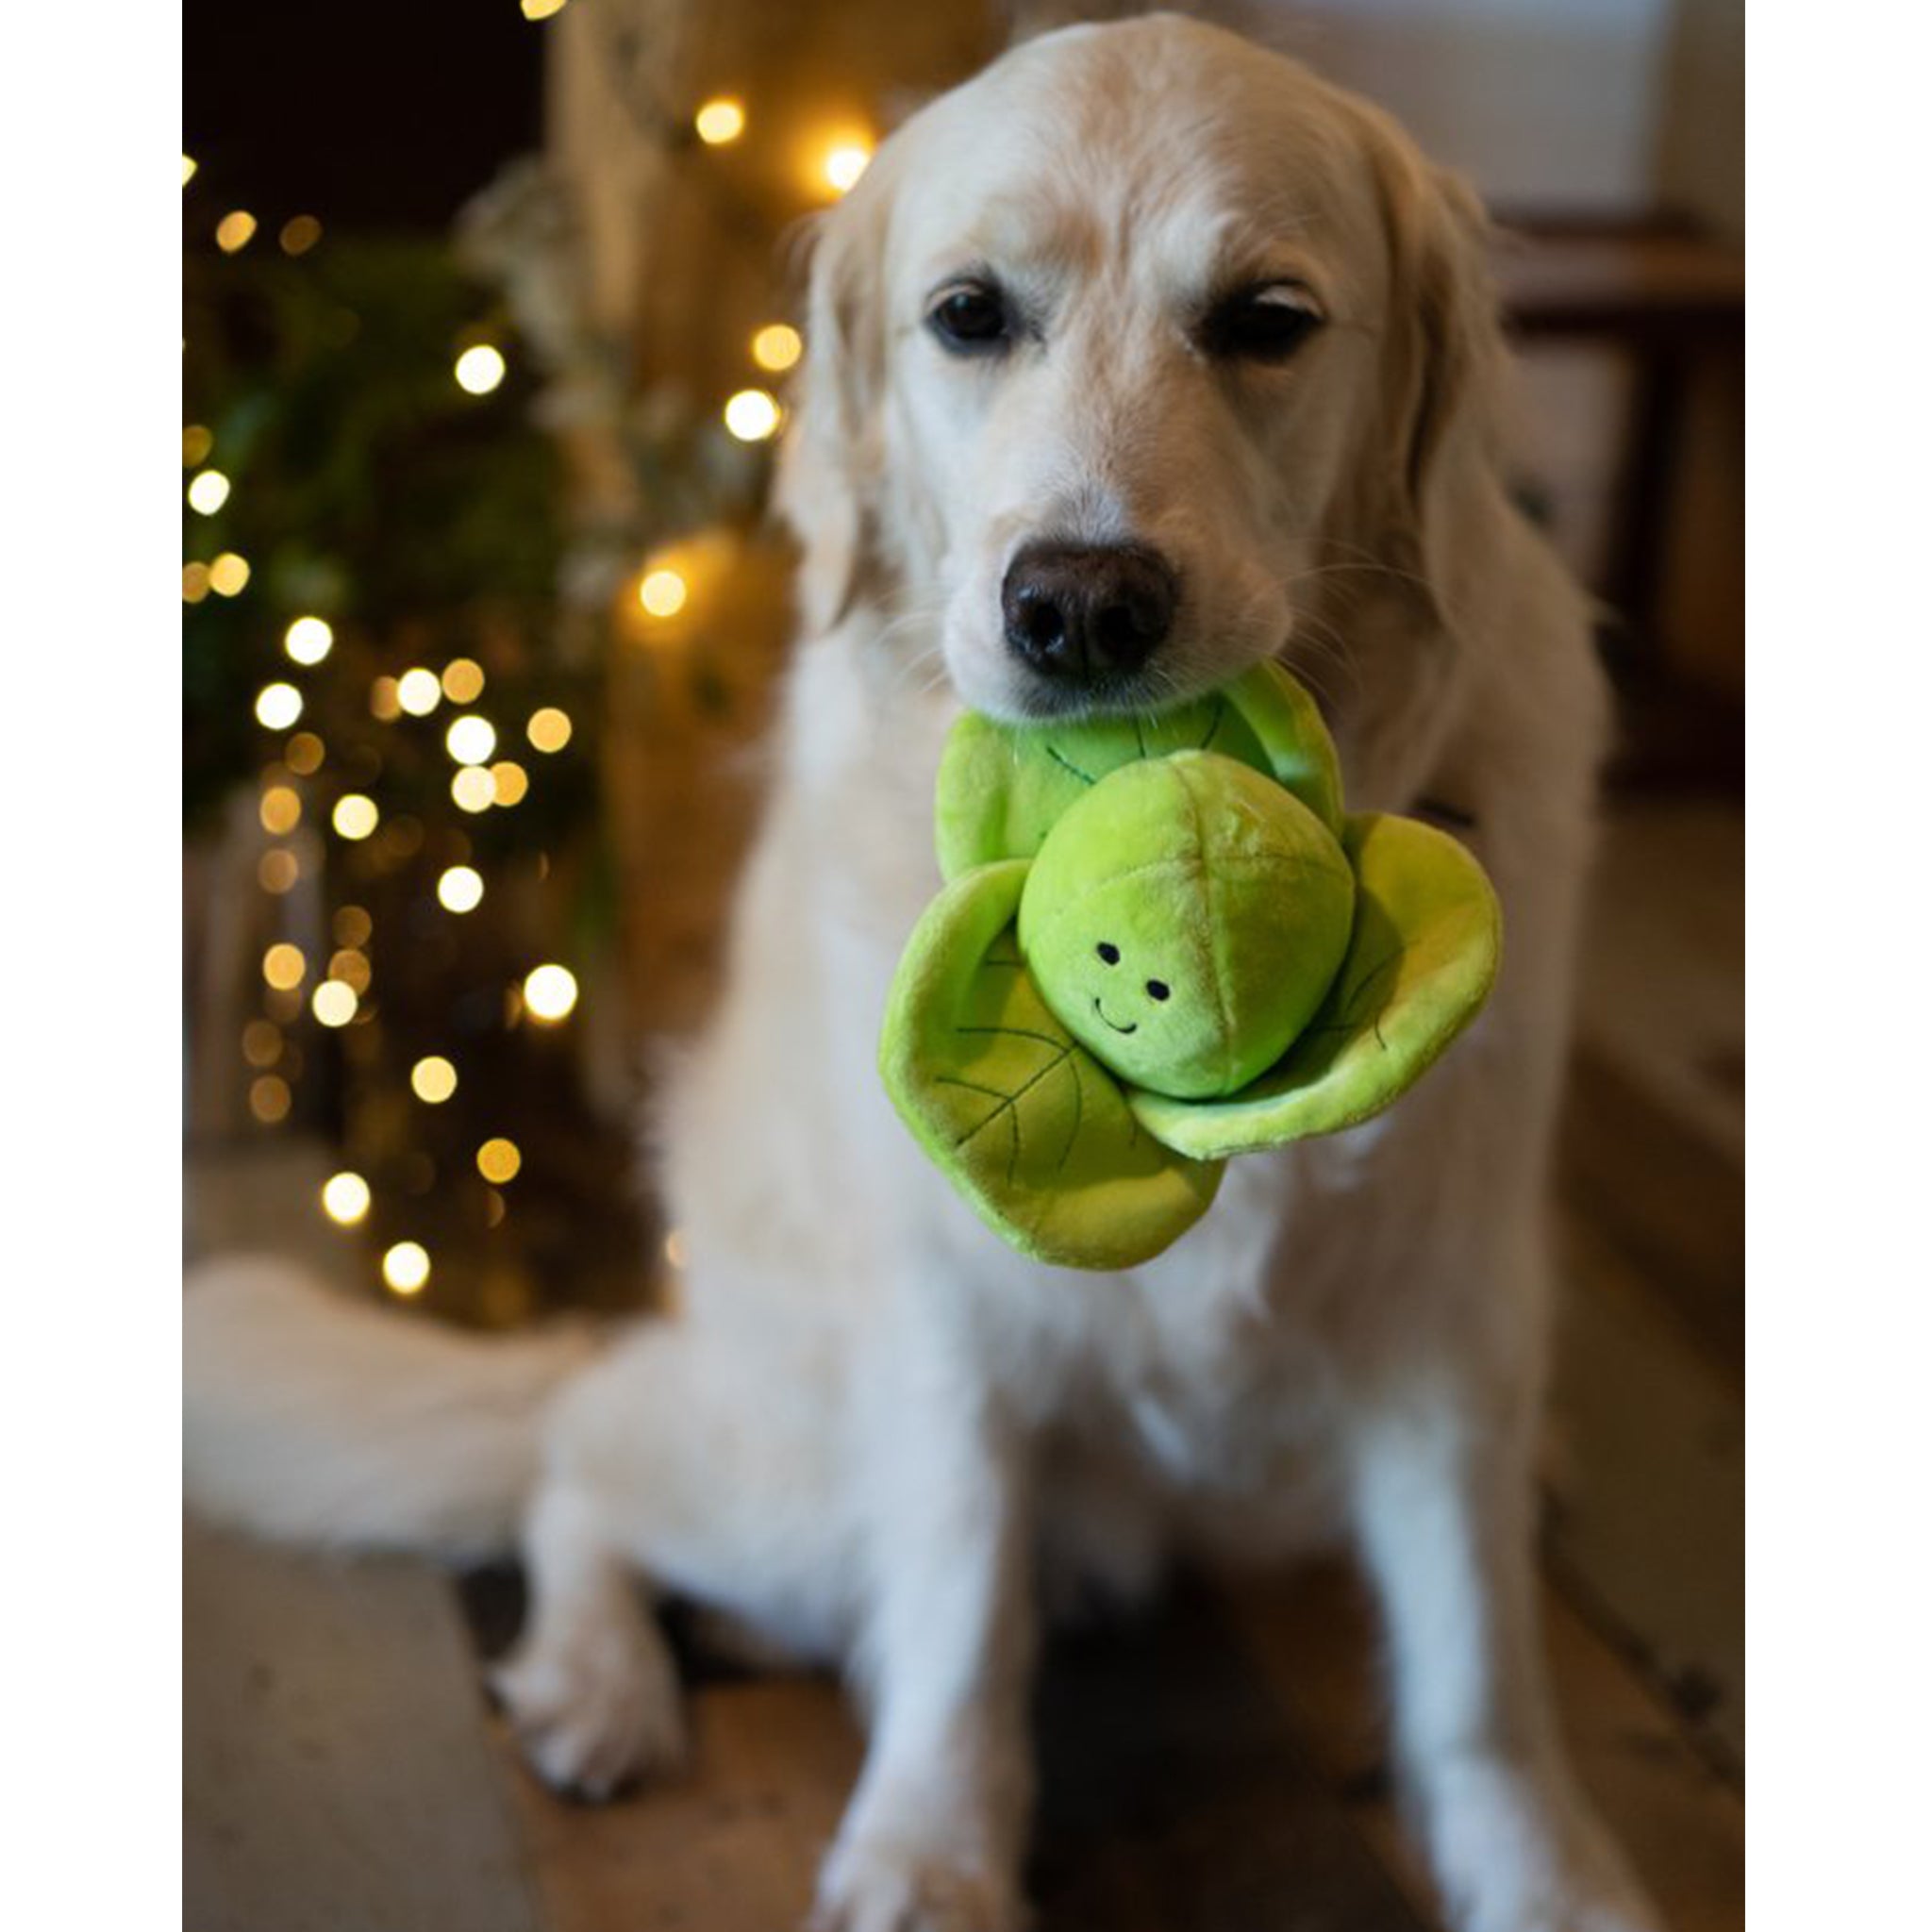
x,y
1184,920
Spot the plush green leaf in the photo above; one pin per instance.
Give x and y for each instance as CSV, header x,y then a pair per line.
x,y
1033,1132
1421,957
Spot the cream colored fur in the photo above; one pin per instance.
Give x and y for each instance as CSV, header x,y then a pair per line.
x,y
874,1433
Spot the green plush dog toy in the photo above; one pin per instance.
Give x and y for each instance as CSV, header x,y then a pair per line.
x,y
1162,943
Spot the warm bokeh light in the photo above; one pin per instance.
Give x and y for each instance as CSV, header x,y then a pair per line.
x,y
406,1267
550,993
193,582
474,787
207,493
469,740
462,680
309,640
549,729
499,1159
227,576
269,1099
304,754
845,163
281,809
277,706
386,700
480,370
718,121
461,889
352,926
419,692
675,1249
354,816
433,1078
511,781
283,966
751,415
262,1043
277,870
350,967
235,230
197,442
300,233
333,1003
540,10
776,347
345,1198
662,593
188,166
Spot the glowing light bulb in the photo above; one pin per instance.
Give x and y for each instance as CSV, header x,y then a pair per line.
x,y
499,1159
550,993
718,122
207,493
277,706
663,592
406,1267
751,415
776,347
309,640
433,1080
461,889
471,740
235,231
345,1198
480,370
419,692
845,163
354,816
548,729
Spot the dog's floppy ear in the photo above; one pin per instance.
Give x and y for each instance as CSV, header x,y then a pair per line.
x,y
830,462
1442,362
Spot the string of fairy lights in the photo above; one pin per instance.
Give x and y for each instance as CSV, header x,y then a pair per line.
x,y
330,980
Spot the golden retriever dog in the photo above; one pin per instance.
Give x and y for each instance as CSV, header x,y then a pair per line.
x,y
1153,332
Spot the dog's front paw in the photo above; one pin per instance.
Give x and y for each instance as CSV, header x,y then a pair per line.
x,y
1515,1853
595,1715
876,1884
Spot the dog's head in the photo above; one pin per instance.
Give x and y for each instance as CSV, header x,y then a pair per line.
x,y
1125,355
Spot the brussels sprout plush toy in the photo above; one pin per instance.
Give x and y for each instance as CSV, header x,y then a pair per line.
x,y
1162,943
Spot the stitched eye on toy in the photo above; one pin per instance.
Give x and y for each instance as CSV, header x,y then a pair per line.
x,y
970,318
1109,952
1158,988
1264,323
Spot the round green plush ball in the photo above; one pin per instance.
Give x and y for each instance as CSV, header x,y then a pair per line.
x,y
1184,920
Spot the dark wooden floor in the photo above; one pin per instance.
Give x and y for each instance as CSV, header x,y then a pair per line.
x,y
1216,1768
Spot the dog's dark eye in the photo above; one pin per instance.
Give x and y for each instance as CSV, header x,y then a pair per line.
x,y
1265,324
1158,988
1109,952
970,318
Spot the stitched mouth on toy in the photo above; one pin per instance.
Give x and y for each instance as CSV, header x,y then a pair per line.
x,y
1101,1012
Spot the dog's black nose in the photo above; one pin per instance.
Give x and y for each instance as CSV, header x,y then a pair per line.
x,y
1083,612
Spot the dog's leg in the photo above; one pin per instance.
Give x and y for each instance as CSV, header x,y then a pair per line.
x,y
1441,1467
591,1688
933,1837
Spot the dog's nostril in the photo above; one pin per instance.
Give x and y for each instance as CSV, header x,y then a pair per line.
x,y
1084,612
